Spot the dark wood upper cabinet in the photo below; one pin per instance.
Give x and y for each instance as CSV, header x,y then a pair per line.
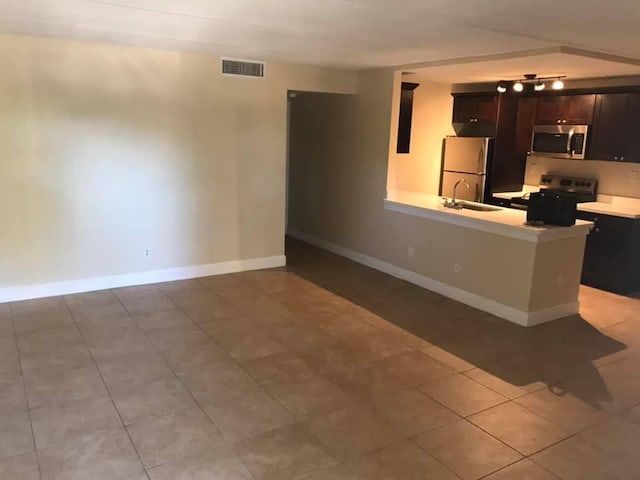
x,y
475,109
487,110
632,130
527,107
406,117
615,132
579,109
550,110
607,136
565,109
464,109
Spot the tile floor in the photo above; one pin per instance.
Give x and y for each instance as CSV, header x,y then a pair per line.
x,y
324,371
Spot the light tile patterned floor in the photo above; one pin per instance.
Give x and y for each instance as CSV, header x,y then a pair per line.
x,y
326,370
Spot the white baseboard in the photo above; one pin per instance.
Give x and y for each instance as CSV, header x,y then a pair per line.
x,y
12,294
523,318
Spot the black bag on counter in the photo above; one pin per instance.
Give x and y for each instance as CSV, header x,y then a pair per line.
x,y
547,208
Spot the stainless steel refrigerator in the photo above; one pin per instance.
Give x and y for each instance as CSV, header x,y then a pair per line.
x,y
466,158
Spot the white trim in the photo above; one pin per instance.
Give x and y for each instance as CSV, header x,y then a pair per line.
x,y
553,313
523,318
12,294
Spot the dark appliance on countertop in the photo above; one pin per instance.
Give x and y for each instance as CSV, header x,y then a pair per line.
x,y
549,208
561,141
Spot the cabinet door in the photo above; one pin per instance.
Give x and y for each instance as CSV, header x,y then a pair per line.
x,y
608,254
550,110
465,108
607,131
487,109
524,125
578,109
632,130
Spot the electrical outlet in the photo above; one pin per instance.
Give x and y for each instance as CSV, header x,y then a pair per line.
x,y
633,176
411,251
456,268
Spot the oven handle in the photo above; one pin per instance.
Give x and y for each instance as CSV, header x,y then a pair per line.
x,y
517,206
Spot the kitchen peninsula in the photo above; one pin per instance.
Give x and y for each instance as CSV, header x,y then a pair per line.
x,y
491,260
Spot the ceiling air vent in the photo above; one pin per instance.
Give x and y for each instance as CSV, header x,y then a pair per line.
x,y
242,68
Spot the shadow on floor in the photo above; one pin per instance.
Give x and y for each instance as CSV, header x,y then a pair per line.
x,y
514,359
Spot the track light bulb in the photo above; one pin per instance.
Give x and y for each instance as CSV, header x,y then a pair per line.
x,y
558,85
538,87
518,87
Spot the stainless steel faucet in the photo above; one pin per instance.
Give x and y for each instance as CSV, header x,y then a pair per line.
x,y
453,203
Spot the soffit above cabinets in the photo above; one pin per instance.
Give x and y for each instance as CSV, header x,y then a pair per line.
x,y
548,62
341,33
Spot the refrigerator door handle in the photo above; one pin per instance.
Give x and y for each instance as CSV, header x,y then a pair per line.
x,y
481,158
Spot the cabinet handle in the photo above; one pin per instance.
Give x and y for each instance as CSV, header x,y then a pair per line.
x,y
564,121
559,121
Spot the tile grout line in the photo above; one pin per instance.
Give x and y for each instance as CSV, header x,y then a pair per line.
x,y
84,340
383,420
144,333
302,422
232,445
24,389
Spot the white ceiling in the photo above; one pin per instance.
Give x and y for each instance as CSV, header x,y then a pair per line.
x,y
345,33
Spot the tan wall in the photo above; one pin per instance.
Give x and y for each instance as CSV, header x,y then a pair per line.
x,y
615,178
557,272
106,151
343,164
419,170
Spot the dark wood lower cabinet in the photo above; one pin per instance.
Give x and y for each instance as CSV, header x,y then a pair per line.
x,y
612,254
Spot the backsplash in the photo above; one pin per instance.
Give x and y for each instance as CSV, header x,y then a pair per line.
x,y
614,178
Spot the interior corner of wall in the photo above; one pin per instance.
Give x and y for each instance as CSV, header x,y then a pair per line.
x,y
393,131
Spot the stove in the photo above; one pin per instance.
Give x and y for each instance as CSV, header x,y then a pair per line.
x,y
582,189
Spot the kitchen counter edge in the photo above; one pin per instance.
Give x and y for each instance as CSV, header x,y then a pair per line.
x,y
505,221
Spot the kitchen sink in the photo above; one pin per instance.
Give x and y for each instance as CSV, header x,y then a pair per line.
x,y
480,208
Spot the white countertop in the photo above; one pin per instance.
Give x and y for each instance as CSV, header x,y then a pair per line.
x,y
504,221
510,195
606,205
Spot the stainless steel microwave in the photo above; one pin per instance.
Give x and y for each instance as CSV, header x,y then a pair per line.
x,y
563,141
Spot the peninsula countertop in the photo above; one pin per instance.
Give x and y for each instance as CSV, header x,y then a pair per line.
x,y
501,221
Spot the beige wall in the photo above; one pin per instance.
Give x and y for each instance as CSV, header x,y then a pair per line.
x,y
614,178
340,161
106,151
419,170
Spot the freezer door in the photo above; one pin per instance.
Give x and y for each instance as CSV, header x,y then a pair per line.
x,y
473,194
466,154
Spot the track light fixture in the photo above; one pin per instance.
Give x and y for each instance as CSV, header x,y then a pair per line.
x,y
530,80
